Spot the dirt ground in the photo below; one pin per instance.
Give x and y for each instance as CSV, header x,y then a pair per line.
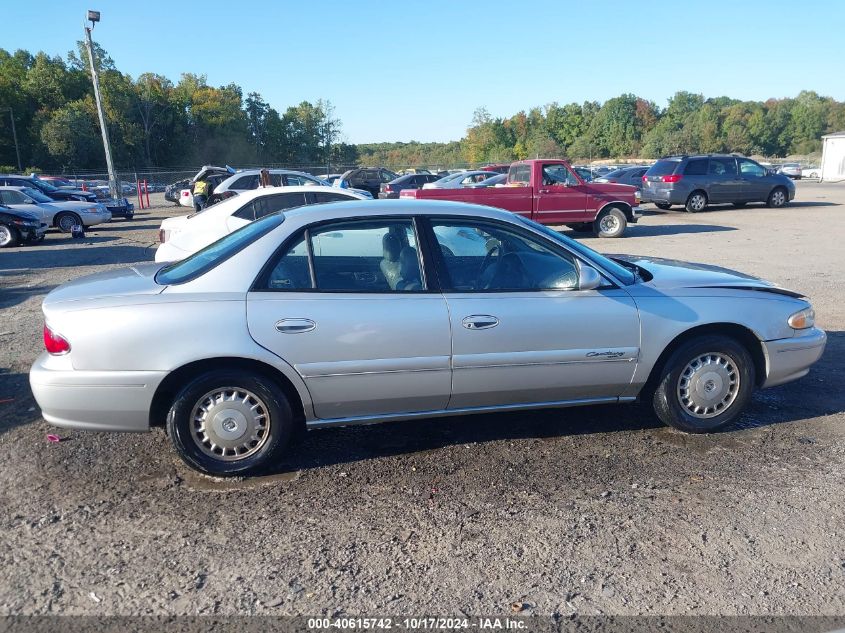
x,y
588,511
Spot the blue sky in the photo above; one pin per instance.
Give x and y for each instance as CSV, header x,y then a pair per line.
x,y
400,71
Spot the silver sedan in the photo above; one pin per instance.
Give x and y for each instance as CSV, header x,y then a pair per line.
x,y
364,312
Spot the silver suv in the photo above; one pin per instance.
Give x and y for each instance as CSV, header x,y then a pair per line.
x,y
696,181
247,179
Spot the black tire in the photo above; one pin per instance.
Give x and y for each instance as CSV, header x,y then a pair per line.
x,y
777,198
696,202
667,399
65,221
738,205
271,444
663,205
9,236
610,223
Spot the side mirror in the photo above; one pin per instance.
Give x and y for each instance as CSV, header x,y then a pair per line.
x,y
588,277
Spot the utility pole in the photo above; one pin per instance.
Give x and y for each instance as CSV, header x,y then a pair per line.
x,y
15,137
94,17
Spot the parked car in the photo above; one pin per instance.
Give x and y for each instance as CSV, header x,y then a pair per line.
x,y
626,176
173,192
184,235
60,182
46,188
248,179
360,312
790,170
460,179
499,168
368,178
409,181
811,172
62,215
211,173
585,173
550,192
17,227
696,181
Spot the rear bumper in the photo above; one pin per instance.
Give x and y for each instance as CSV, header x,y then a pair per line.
x,y
790,358
93,400
393,195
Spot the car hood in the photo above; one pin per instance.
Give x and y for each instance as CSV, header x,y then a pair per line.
x,y
671,273
611,187
121,282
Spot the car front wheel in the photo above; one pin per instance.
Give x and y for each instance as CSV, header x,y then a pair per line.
x,y
66,221
611,223
228,423
705,384
777,198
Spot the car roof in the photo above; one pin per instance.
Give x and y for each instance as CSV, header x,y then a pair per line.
x,y
391,207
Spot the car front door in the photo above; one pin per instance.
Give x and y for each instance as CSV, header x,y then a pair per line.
x,y
560,197
346,304
755,185
522,331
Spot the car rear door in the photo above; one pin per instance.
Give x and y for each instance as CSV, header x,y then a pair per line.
x,y
560,197
347,305
521,331
265,205
725,184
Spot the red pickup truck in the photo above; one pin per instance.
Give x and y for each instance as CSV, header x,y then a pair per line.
x,y
550,192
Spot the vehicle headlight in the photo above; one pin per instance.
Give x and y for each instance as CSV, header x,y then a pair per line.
x,y
803,319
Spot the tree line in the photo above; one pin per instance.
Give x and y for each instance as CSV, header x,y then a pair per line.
x,y
156,122
152,121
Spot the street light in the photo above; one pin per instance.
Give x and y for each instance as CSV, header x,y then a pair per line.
x,y
94,17
15,136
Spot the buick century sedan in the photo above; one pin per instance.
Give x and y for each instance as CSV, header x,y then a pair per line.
x,y
361,312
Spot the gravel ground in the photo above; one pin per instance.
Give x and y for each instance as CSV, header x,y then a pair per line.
x,y
588,511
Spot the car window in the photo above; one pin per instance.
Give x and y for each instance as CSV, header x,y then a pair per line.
x,y
36,195
696,167
12,197
295,180
482,257
265,205
520,174
276,180
216,253
664,167
325,196
387,176
722,167
245,182
292,271
750,168
558,174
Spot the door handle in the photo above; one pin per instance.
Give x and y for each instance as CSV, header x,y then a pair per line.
x,y
480,322
543,191
295,326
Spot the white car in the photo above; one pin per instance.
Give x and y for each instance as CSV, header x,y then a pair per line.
x,y
248,179
459,180
184,235
811,172
64,214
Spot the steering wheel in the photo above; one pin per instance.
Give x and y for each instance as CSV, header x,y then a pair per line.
x,y
509,273
488,259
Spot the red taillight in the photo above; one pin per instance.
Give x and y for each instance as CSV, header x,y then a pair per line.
x,y
672,178
388,188
645,178
55,343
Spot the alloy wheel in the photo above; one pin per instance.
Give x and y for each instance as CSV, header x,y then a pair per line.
x,y
708,385
5,235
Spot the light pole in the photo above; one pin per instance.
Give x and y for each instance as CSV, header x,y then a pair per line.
x,y
94,17
15,136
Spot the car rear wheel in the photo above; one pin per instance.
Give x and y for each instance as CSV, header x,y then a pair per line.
x,y
8,236
663,205
696,202
705,384
777,198
66,221
228,423
610,223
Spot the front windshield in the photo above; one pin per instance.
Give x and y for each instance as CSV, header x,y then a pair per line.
x,y
36,195
42,185
623,274
214,254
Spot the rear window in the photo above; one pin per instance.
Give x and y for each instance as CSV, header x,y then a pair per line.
x,y
214,254
520,174
664,167
696,167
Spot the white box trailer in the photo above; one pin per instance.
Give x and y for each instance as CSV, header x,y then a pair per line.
x,y
833,157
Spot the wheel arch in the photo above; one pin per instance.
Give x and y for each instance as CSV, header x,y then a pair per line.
x,y
740,333
169,387
619,204
700,190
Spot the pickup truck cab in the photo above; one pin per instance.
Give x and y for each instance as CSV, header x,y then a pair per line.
x,y
550,192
